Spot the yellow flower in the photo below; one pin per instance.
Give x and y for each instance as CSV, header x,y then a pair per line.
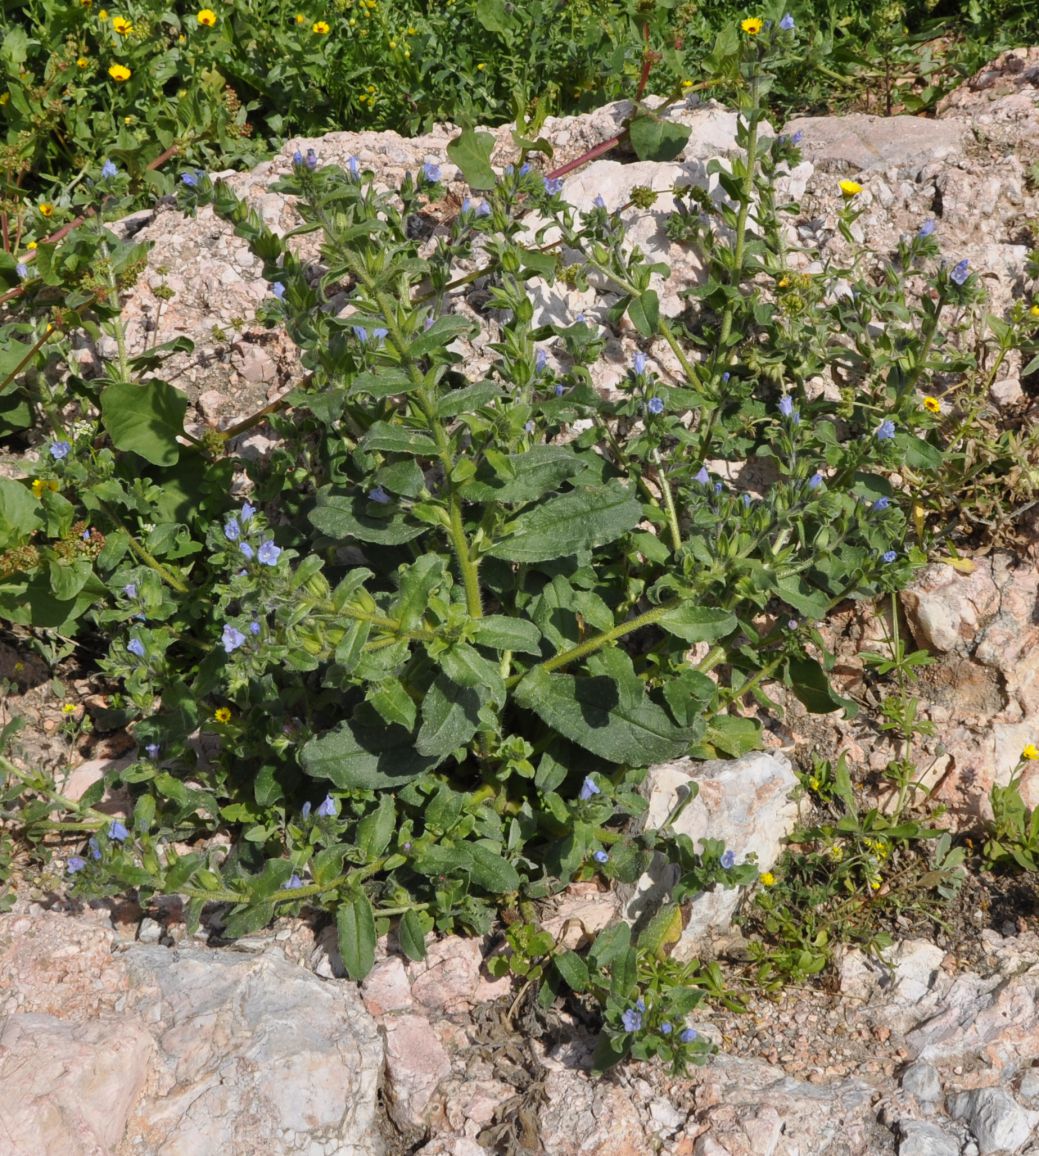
x,y
752,25
850,188
68,708
319,28
932,405
1031,752
119,72
300,18
4,98
767,879
836,852
46,209
207,18
122,25
411,31
407,53
222,714
82,62
480,67
103,14
687,84
31,245
86,3
1034,311
41,484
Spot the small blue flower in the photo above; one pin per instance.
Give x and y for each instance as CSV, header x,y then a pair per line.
x,y
688,1035
886,430
599,202
718,487
130,590
379,495
483,209
529,427
881,503
353,169
75,863
960,272
93,848
247,512
467,206
108,171
59,450
601,857
815,481
540,361
328,809
431,172
86,535
117,831
231,639
560,389
747,500
553,185
297,159
136,646
638,363
588,789
189,179
926,229
305,811
791,623
787,22
655,405
797,137
728,859
786,405
152,750
232,531
889,556
268,554
294,882
311,160
524,168
22,270
247,550
254,628
703,477
665,1028
632,1019
379,333
278,289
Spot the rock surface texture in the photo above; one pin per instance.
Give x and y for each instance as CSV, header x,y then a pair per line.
x,y
129,1039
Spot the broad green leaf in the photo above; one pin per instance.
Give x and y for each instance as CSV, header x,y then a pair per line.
x,y
19,512
656,139
67,579
364,753
145,419
573,969
804,598
417,582
807,679
663,931
688,695
411,937
450,716
355,923
342,517
253,917
442,332
590,516
385,382
500,632
524,477
468,399
467,667
376,829
396,439
351,645
694,623
644,312
471,150
604,717
919,454
393,703
490,870
728,736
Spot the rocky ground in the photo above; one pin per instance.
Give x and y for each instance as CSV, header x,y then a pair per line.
x,y
120,1036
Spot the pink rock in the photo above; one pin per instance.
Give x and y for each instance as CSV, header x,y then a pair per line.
x,y
416,1062
584,1117
447,979
386,988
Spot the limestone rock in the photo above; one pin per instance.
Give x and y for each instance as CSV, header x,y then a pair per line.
x,y
999,1124
920,1139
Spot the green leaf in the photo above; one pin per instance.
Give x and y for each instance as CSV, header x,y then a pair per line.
x,y
919,454
364,753
19,512
644,312
500,632
573,970
252,918
411,937
608,718
471,150
663,931
392,701
467,667
343,517
376,829
590,516
694,623
804,598
728,736
450,716
655,139
490,870
355,923
384,382
145,419
396,439
807,679
468,399
417,583
524,477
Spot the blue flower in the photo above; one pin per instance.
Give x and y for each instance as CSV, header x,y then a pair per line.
x,y
232,531
92,846
152,750
560,389
189,179
136,646
599,202
815,481
268,554
59,450
294,882
889,556
431,172
75,863
360,333
311,160
328,809
254,628
960,272
22,270
379,333
467,206
247,550
553,185
297,159
787,22
881,503
747,499
601,857
632,1018
797,137
588,789
655,405
540,360
791,623
86,535
728,859
117,831
665,1028
483,209
354,169
638,363
108,171
786,405
379,496
524,168
688,1035
278,289
529,427
926,229
231,639
305,810
703,477
247,512
130,590
886,430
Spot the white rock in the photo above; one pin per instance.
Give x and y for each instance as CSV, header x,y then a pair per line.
x,y
1000,1125
919,1139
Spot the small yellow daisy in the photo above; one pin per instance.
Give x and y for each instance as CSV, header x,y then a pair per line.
x,y
752,25
46,209
82,62
932,405
119,73
320,28
31,245
222,714
480,67
68,708
300,18
767,879
41,484
850,188
207,18
687,84
121,25
1031,752
103,14
1034,311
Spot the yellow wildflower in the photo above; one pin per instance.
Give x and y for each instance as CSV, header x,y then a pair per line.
x,y
103,14
82,62
300,18
1034,311
68,708
767,879
752,25
222,714
480,67
850,188
46,209
1031,752
119,73
121,25
319,28
207,18
31,245
836,852
407,53
4,98
41,484
411,31
932,405
687,84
